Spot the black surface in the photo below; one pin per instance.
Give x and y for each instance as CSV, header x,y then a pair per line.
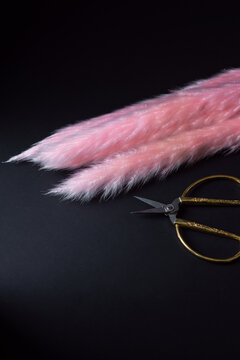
x,y
92,281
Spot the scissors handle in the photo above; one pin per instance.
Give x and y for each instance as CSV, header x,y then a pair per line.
x,y
200,227
206,201
181,223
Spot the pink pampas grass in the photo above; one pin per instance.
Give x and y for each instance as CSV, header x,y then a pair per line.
x,y
148,138
156,158
200,104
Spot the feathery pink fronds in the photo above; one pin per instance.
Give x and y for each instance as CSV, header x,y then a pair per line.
x,y
186,110
149,138
66,132
199,104
124,170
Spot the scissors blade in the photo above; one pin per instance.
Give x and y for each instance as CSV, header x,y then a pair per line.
x,y
153,203
157,206
149,211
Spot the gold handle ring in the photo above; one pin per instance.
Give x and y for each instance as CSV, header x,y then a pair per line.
x,y
192,225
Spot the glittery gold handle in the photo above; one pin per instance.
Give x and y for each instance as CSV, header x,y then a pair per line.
x,y
199,227
207,178
206,201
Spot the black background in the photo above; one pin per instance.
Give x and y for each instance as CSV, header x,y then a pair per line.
x,y
92,281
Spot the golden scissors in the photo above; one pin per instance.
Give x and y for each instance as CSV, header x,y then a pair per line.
x,y
172,209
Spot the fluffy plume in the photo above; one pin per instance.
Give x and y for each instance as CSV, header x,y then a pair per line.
x,y
66,133
124,170
200,104
149,138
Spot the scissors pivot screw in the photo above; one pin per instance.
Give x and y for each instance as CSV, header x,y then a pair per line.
x,y
168,208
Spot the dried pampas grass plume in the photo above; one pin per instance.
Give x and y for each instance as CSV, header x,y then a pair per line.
x,y
125,170
150,138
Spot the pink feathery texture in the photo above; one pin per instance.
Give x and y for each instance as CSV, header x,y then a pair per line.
x,y
149,138
156,158
199,104
68,132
